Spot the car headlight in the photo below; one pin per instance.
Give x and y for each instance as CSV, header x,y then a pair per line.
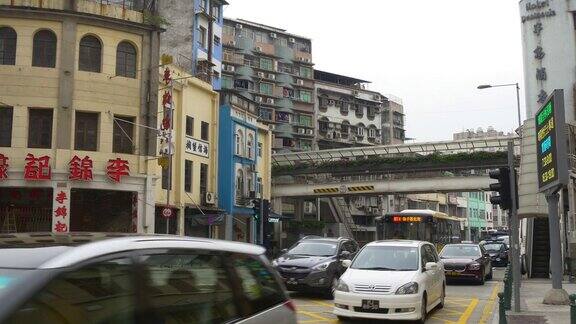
x,y
408,289
322,266
342,286
274,263
474,266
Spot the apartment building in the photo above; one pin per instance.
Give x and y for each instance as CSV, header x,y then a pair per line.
x,y
393,121
194,37
347,113
274,69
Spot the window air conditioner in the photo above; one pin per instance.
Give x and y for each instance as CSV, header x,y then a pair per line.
x,y
301,131
310,131
210,198
291,40
258,49
270,101
307,60
272,76
300,82
260,74
258,99
238,26
232,43
273,35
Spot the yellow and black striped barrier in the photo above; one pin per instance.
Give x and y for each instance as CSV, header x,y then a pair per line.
x,y
326,190
360,188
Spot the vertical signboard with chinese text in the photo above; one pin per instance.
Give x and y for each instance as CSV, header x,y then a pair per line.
x,y
551,143
61,210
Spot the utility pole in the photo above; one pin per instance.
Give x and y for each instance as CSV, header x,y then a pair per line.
x,y
514,230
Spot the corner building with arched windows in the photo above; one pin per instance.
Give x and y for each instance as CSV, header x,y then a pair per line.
x,y
78,109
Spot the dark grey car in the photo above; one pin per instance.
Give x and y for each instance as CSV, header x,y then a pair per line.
x,y
53,279
314,264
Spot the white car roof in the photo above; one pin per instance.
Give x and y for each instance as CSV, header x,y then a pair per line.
x,y
412,243
99,248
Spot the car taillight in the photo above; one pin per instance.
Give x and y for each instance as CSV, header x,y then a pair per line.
x,y
290,304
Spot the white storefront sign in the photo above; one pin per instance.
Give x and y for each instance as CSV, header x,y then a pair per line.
x,y
194,146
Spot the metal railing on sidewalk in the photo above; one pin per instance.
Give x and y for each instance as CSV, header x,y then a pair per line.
x,y
573,309
505,297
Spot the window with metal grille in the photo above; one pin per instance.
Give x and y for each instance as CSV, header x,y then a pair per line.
x,y
39,128
44,49
123,133
203,179
205,131
90,56
188,175
126,60
7,46
6,114
86,138
189,126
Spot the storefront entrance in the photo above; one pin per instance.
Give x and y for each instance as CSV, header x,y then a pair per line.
x,y
103,211
25,210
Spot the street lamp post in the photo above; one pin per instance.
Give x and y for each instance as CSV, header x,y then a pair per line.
x,y
487,86
512,214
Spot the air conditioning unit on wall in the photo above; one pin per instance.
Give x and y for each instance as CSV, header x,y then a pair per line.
x,y
210,198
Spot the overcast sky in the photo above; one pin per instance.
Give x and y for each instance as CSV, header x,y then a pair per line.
x,y
432,54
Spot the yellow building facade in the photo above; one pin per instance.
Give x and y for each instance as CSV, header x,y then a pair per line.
x,y
194,169
78,109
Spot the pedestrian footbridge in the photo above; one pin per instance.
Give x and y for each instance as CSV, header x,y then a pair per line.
x,y
447,166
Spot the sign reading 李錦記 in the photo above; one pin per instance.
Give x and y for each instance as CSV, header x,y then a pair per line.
x,y
551,143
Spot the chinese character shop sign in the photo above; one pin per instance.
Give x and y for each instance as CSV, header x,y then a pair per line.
x,y
61,211
197,147
3,167
551,143
37,168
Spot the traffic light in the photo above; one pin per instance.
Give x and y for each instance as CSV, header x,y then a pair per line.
x,y
256,208
504,198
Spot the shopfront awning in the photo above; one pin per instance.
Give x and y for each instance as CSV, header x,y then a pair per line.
x,y
194,217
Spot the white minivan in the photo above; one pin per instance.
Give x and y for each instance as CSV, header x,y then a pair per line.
x,y
393,279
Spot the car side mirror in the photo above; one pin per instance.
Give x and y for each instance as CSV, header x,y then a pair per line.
x,y
431,266
283,251
344,255
346,263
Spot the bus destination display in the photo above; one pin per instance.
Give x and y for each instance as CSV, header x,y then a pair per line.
x,y
549,140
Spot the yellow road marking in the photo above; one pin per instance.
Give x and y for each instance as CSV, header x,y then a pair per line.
x,y
451,312
445,320
487,312
316,316
468,312
322,303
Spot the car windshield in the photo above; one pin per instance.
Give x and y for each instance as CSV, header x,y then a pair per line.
x,y
314,248
391,258
493,247
457,251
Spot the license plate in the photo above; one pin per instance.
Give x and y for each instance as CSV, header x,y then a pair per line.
x,y
291,281
453,273
370,304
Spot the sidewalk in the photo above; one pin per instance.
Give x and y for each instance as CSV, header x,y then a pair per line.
x,y
532,310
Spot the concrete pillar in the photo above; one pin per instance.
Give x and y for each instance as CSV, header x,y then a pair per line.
x,y
67,65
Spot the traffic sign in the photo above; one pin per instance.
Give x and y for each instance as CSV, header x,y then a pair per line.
x,y
167,212
552,164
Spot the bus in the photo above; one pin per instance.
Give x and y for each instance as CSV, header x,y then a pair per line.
x,y
424,225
